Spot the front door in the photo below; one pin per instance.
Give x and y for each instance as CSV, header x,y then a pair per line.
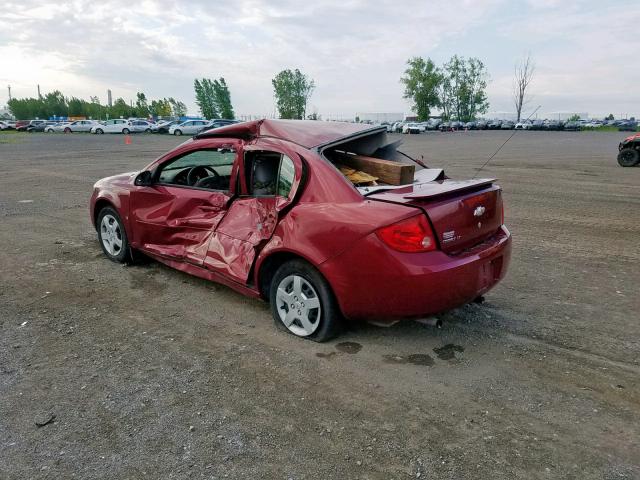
x,y
269,180
176,216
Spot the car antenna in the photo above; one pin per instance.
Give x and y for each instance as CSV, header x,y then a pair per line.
x,y
505,142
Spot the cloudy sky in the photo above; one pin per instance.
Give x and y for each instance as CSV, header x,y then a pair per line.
x,y
586,53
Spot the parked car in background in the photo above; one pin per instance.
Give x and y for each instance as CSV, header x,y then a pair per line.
x,y
221,122
552,125
116,125
412,128
494,125
470,125
190,127
592,124
56,127
572,126
164,125
523,125
481,125
79,126
4,125
39,126
627,126
30,124
508,125
256,207
143,126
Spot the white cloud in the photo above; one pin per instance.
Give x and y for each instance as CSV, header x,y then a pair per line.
x,y
354,49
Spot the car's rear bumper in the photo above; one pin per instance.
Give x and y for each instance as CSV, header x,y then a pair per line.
x,y
372,281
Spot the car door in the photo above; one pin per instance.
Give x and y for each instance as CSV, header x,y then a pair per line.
x,y
175,219
253,216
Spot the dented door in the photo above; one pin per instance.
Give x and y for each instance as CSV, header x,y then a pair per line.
x,y
176,222
251,220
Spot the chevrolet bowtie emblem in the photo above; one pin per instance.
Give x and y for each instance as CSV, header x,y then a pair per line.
x,y
479,211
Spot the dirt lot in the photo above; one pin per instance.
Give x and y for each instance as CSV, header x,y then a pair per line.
x,y
151,373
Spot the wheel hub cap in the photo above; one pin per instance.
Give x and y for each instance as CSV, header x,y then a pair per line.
x,y
111,235
298,305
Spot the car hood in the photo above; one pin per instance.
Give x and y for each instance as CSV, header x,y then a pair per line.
x,y
121,179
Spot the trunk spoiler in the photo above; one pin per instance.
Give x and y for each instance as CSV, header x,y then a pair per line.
x,y
436,189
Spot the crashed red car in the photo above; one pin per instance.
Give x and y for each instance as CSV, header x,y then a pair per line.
x,y
262,208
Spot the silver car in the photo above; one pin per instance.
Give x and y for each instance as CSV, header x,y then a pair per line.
x,y
190,127
80,126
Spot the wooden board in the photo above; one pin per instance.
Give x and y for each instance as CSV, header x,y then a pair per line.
x,y
392,173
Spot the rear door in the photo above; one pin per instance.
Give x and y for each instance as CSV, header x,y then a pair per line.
x,y
269,178
176,216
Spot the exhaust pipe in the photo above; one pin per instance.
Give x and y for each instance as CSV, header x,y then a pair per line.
x,y
430,321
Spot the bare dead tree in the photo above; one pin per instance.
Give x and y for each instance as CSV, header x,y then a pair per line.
x,y
523,74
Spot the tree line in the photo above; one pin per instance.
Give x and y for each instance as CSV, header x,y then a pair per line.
x,y
457,88
55,104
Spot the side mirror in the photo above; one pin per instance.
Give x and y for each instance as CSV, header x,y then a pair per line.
x,y
144,179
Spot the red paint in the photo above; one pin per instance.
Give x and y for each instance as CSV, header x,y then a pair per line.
x,y
228,236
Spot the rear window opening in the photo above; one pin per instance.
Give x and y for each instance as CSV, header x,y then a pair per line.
x,y
368,171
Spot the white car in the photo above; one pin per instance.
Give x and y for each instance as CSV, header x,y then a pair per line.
x,y
523,125
190,127
78,126
413,128
58,127
117,125
144,126
3,126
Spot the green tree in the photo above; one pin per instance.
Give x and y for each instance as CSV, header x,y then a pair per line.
x,y
292,90
222,99
573,118
463,92
141,109
178,108
160,108
610,117
120,109
422,81
205,97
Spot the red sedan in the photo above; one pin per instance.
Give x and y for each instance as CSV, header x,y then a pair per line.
x,y
269,209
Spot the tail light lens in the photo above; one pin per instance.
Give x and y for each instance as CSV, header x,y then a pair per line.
x,y
411,235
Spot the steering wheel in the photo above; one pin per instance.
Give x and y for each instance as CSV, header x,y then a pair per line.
x,y
198,173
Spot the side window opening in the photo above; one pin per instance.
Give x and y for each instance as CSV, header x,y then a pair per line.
x,y
269,174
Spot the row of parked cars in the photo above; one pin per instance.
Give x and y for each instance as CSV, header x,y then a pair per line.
x,y
549,125
117,125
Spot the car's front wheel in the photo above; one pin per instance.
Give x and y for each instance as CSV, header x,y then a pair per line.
x,y
99,131
112,235
125,131
177,132
302,302
628,157
67,130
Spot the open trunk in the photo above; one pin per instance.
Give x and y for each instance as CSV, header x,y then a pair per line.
x,y
463,213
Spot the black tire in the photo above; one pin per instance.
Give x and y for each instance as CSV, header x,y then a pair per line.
x,y
628,157
148,130
330,322
123,255
126,131
177,132
99,131
67,130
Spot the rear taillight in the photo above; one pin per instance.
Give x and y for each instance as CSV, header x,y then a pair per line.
x,y
411,235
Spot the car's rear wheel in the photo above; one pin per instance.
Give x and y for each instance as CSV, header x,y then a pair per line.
x,y
112,235
67,130
99,131
126,131
628,157
177,132
148,130
302,302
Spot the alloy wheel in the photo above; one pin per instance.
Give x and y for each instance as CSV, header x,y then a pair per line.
x,y
298,305
111,235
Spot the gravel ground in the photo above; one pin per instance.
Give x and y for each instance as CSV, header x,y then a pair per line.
x,y
144,372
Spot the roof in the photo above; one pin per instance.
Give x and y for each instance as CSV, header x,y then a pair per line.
x,y
307,133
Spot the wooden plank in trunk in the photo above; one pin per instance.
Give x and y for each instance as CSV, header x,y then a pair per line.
x,y
392,173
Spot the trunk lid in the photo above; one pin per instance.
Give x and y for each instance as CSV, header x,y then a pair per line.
x,y
463,213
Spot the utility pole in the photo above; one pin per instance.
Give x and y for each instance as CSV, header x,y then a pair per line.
x,y
9,87
39,96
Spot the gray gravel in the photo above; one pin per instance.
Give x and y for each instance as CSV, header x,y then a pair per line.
x,y
145,372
